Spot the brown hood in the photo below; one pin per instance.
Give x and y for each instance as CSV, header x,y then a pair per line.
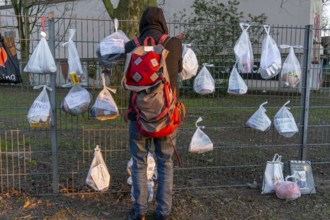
x,y
153,21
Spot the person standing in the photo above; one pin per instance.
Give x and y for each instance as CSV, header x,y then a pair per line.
x,y
153,24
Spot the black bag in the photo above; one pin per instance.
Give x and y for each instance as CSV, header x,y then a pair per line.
x,y
301,172
9,66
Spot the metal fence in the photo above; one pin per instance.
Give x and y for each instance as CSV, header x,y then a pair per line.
x,y
57,160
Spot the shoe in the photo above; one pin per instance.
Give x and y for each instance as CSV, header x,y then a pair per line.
x,y
157,217
134,217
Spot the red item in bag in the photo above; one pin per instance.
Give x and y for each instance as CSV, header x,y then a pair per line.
x,y
288,190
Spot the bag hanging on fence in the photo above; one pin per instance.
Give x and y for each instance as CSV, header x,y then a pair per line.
x,y
105,107
200,142
189,63
73,56
98,176
204,83
284,122
287,190
259,120
111,49
9,65
270,62
300,171
77,101
40,112
41,60
291,70
243,51
273,175
236,84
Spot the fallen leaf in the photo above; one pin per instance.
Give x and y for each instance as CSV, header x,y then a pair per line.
x,y
26,204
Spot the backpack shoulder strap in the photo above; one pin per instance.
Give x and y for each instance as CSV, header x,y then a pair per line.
x,y
136,41
163,39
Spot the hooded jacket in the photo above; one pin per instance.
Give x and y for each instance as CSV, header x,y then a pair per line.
x,y
153,24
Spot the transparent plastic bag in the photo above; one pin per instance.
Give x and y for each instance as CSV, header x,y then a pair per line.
x,y
105,107
41,60
204,82
259,120
189,63
288,190
98,175
236,84
270,62
273,174
284,122
40,112
243,51
200,142
73,56
111,49
77,101
291,70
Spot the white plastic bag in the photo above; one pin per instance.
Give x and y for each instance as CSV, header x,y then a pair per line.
x,y
189,63
41,60
200,142
236,84
284,122
243,51
111,49
291,70
273,175
259,120
73,56
288,190
204,82
270,62
105,106
77,101
40,112
98,175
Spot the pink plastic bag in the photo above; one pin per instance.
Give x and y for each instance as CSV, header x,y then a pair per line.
x,y
288,190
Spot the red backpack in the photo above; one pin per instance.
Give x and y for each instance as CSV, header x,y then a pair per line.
x,y
159,113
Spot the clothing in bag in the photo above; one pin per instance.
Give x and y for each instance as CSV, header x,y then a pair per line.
x,y
111,49
189,63
159,113
300,171
291,70
200,142
41,60
243,51
270,61
73,56
236,84
259,120
98,176
77,101
105,107
40,112
287,190
9,65
284,122
204,83
273,175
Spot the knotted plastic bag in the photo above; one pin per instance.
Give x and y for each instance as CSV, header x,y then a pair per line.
x,y
270,62
41,60
40,112
291,70
273,174
204,82
243,51
73,56
189,63
236,84
77,101
111,49
98,176
284,122
105,107
288,190
259,120
200,142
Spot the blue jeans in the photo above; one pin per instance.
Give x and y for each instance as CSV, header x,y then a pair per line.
x,y
139,147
